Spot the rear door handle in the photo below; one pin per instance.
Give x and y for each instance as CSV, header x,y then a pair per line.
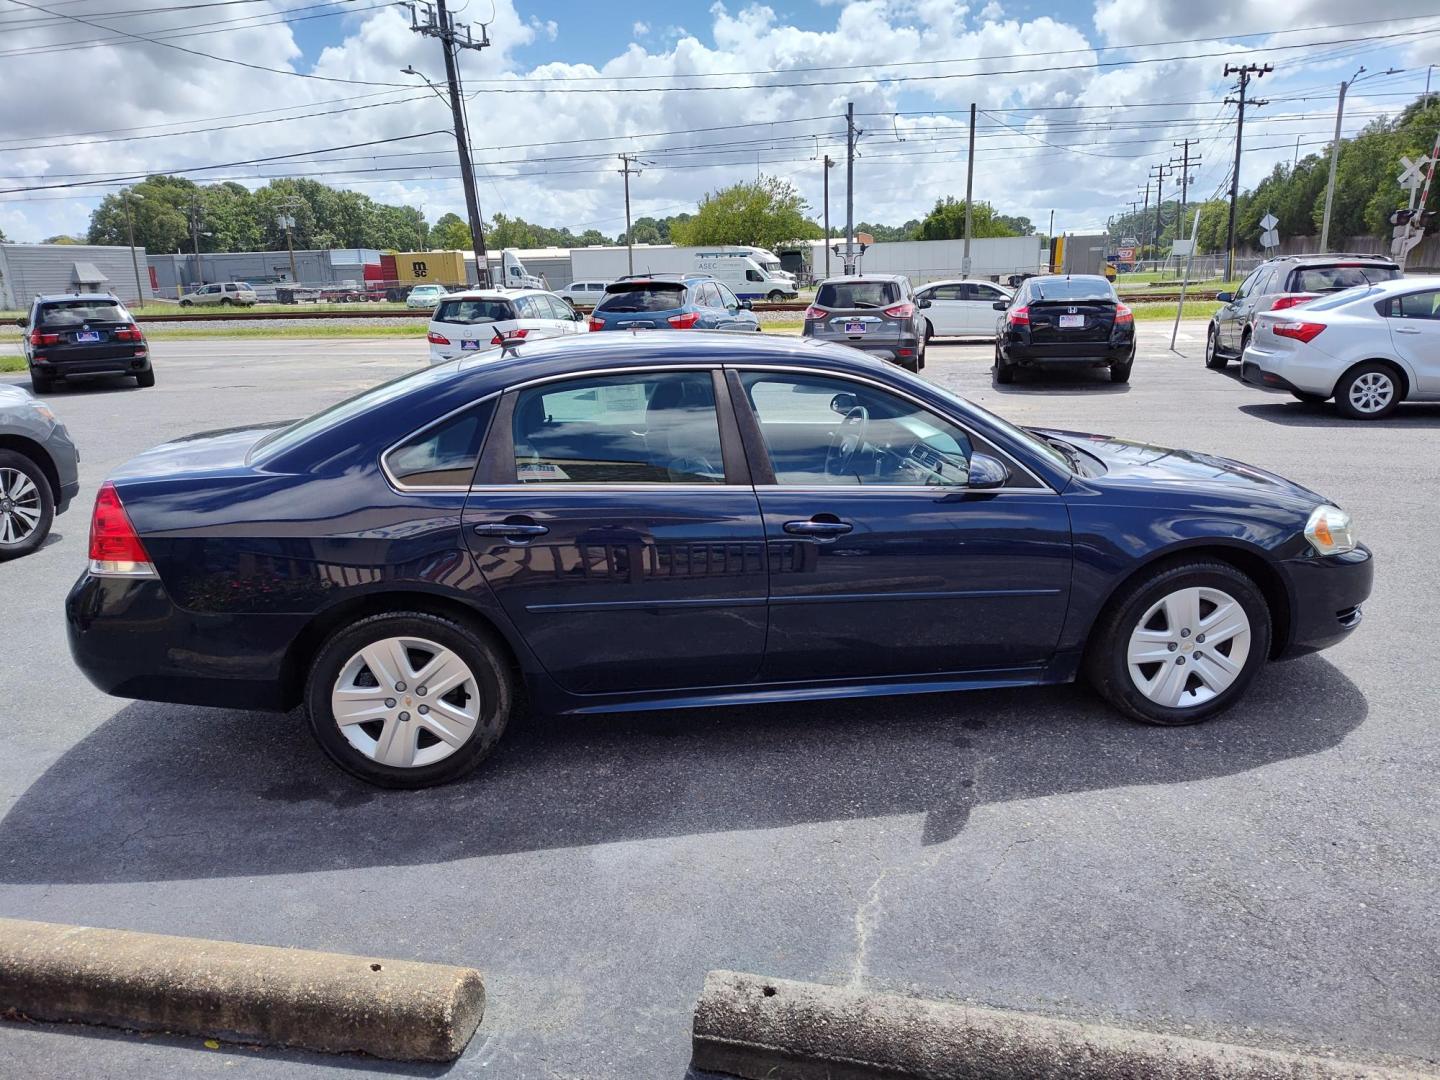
x,y
1407,330
511,530
818,528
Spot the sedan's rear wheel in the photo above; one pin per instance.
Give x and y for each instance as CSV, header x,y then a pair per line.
x,y
1004,371
1181,643
27,506
1368,392
408,700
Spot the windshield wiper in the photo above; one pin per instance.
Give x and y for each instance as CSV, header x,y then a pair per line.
x,y
1069,452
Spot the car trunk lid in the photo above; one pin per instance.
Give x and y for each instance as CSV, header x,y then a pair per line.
x,y
1062,320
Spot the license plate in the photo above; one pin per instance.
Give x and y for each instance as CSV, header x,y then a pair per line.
x,y
854,328
87,335
1071,322
469,344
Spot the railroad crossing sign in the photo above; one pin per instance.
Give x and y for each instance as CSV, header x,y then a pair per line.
x,y
1270,237
1411,176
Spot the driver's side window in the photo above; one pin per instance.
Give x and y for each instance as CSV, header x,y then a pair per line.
x,y
826,431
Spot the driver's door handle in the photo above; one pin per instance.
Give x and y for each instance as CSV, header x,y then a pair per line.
x,y
818,528
511,530
1407,330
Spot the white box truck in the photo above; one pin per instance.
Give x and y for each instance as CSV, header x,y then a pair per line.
x,y
751,273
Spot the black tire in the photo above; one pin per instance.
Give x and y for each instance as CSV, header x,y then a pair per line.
x,y
1307,397
479,652
775,297
225,301
1106,659
1214,360
41,384
30,469
920,357
1244,343
1120,373
912,365
1370,369
187,303
929,330
1004,372
144,379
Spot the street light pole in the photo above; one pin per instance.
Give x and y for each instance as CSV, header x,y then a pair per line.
x,y
134,258
1335,147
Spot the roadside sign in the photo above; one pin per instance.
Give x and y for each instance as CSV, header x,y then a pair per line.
x,y
1125,254
1268,222
1410,175
1181,248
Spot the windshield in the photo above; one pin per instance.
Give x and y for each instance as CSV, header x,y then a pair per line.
x,y
473,311
287,438
652,296
857,294
1035,443
75,312
1330,278
1074,288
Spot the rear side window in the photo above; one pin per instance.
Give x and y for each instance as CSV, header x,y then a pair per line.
x,y
644,298
474,311
75,312
653,428
1420,305
858,294
442,456
1330,278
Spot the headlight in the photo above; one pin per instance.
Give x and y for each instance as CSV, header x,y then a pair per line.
x,y
43,410
1330,531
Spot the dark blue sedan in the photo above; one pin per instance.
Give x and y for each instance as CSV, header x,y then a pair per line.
x,y
646,521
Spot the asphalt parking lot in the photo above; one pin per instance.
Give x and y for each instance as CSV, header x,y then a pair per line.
x,y
1268,877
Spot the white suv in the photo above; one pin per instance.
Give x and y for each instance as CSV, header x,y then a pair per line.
x,y
225,293
481,319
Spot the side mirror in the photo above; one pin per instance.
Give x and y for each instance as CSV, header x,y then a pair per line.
x,y
747,305
925,303
987,473
843,403
1225,297
1000,305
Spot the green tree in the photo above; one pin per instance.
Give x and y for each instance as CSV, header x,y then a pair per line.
x,y
160,206
1017,224
947,221
450,232
61,238
645,233
766,213
591,238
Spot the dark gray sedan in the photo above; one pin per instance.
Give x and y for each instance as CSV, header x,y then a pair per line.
x,y
877,313
39,471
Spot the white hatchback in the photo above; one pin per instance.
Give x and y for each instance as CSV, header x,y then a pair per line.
x,y
482,319
1369,348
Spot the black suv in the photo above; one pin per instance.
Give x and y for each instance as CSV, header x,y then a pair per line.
x,y
83,334
1282,283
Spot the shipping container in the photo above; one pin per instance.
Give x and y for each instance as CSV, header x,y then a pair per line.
x,y
431,268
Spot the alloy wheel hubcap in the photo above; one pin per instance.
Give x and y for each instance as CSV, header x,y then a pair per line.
x,y
406,702
20,507
1372,391
1189,647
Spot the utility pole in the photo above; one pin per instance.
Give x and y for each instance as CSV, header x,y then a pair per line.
x,y
1335,146
829,164
1144,213
1244,71
195,237
1159,172
440,24
1186,164
288,206
125,197
626,169
849,188
969,188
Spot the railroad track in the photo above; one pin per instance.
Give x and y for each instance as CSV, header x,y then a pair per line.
x,y
360,312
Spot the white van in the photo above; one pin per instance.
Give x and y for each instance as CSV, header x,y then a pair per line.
x,y
746,276
478,320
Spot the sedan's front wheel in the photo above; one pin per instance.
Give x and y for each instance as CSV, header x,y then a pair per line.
x,y
1181,643
409,699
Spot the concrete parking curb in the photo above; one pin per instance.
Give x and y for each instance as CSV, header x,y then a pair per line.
x,y
394,1009
774,1029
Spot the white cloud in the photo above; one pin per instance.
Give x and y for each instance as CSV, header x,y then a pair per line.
x,y
640,29
1109,156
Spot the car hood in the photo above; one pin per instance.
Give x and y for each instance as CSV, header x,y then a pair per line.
x,y
205,452
1161,467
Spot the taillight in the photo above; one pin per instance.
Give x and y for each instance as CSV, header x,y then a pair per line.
x,y
684,322
1300,331
901,311
129,333
597,323
813,313
37,338
1123,314
437,339
507,336
1019,316
1293,300
115,547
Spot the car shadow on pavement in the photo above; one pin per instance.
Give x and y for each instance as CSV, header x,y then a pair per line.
x,y
1061,381
1306,414
162,792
